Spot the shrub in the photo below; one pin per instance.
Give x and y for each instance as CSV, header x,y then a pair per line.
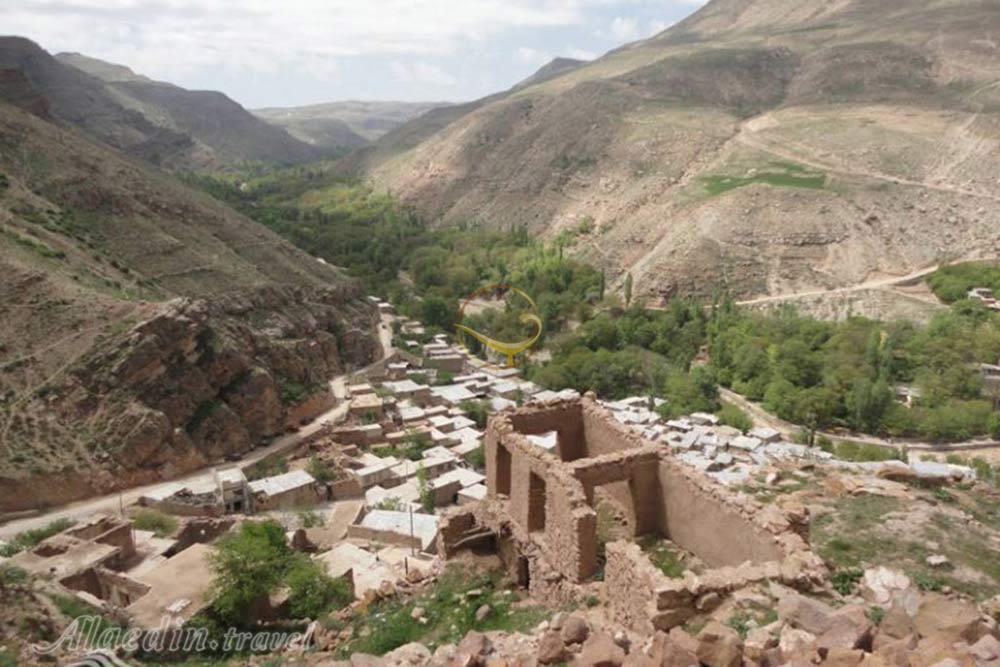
x,y
312,592
730,415
927,582
11,575
876,614
310,519
161,524
844,581
477,458
321,470
477,411
390,504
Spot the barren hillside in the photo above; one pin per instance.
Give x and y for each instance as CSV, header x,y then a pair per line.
x,y
158,122
145,329
769,146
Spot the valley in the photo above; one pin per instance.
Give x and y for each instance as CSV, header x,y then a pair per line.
x,y
759,425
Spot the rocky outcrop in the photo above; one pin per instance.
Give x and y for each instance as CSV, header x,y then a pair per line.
x,y
200,380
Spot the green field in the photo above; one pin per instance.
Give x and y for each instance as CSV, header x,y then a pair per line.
x,y
775,174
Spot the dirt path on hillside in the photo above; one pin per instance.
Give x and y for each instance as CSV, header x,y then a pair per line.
x,y
762,145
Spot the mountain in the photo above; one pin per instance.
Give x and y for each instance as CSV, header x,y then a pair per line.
x,y
340,124
157,122
763,146
219,126
145,328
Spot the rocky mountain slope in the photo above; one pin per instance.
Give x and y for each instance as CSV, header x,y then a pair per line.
x,y
344,124
766,146
158,122
145,329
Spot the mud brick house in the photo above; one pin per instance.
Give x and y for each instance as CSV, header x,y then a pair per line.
x,y
540,517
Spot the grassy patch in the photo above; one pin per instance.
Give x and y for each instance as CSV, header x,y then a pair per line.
x,y
450,609
666,556
859,452
850,537
29,539
34,245
161,524
775,174
267,468
854,536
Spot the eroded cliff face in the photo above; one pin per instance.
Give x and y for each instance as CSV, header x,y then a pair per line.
x,y
197,381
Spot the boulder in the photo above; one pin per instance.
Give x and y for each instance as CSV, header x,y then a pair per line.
x,y
896,623
796,642
551,648
413,653
883,586
850,629
986,649
843,657
684,639
719,646
931,651
757,643
472,649
574,630
805,613
665,652
482,613
992,607
954,620
599,651
897,651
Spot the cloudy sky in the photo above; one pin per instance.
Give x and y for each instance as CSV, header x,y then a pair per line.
x,y
292,52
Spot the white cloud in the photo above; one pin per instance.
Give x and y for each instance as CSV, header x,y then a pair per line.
x,y
421,72
530,56
656,26
624,29
581,54
269,52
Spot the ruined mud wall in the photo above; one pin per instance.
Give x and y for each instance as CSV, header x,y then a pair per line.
x,y
604,434
564,418
703,523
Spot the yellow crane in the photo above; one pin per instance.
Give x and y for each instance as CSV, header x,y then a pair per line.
x,y
509,349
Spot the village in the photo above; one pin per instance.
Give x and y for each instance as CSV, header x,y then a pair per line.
x,y
382,497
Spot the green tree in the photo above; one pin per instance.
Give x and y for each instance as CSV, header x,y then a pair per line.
x,y
437,312
249,564
628,290
426,490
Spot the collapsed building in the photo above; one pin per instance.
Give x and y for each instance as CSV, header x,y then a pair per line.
x,y
540,517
